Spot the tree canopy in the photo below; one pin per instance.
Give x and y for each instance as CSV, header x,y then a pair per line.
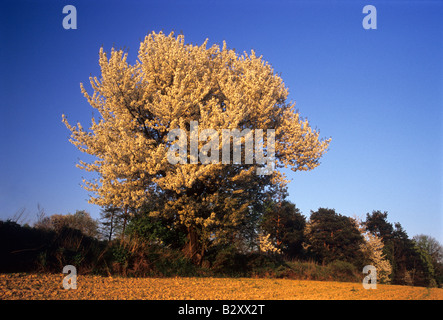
x,y
169,86
332,236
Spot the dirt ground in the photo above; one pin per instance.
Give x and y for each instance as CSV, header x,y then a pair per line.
x,y
50,286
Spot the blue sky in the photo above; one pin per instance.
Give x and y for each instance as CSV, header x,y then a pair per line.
x,y
377,93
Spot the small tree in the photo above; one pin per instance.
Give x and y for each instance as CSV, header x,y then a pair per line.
x,y
111,222
431,246
377,224
424,273
266,244
434,250
80,220
372,249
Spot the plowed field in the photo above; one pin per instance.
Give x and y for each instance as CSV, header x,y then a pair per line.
x,y
50,286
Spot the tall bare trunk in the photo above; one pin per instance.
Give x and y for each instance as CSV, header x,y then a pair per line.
x,y
192,246
125,216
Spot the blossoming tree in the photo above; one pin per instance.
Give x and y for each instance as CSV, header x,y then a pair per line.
x,y
169,86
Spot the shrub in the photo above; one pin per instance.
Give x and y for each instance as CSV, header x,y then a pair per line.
x,y
155,230
229,261
336,270
144,260
22,249
26,249
344,271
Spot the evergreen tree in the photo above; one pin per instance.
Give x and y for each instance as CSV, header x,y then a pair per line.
x,y
411,265
435,251
331,236
285,224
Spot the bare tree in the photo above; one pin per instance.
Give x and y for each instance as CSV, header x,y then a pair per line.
x,y
111,222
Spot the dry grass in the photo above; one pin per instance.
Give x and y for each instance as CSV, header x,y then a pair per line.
x,y
49,286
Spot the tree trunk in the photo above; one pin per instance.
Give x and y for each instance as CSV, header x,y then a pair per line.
x,y
278,239
192,246
111,227
125,215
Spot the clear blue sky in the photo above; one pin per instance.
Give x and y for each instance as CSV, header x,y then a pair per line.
x,y
377,93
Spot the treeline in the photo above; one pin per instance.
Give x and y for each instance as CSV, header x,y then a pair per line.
x,y
279,241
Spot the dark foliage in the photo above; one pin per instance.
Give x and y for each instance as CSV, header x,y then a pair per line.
x,y
334,237
152,246
285,223
26,249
